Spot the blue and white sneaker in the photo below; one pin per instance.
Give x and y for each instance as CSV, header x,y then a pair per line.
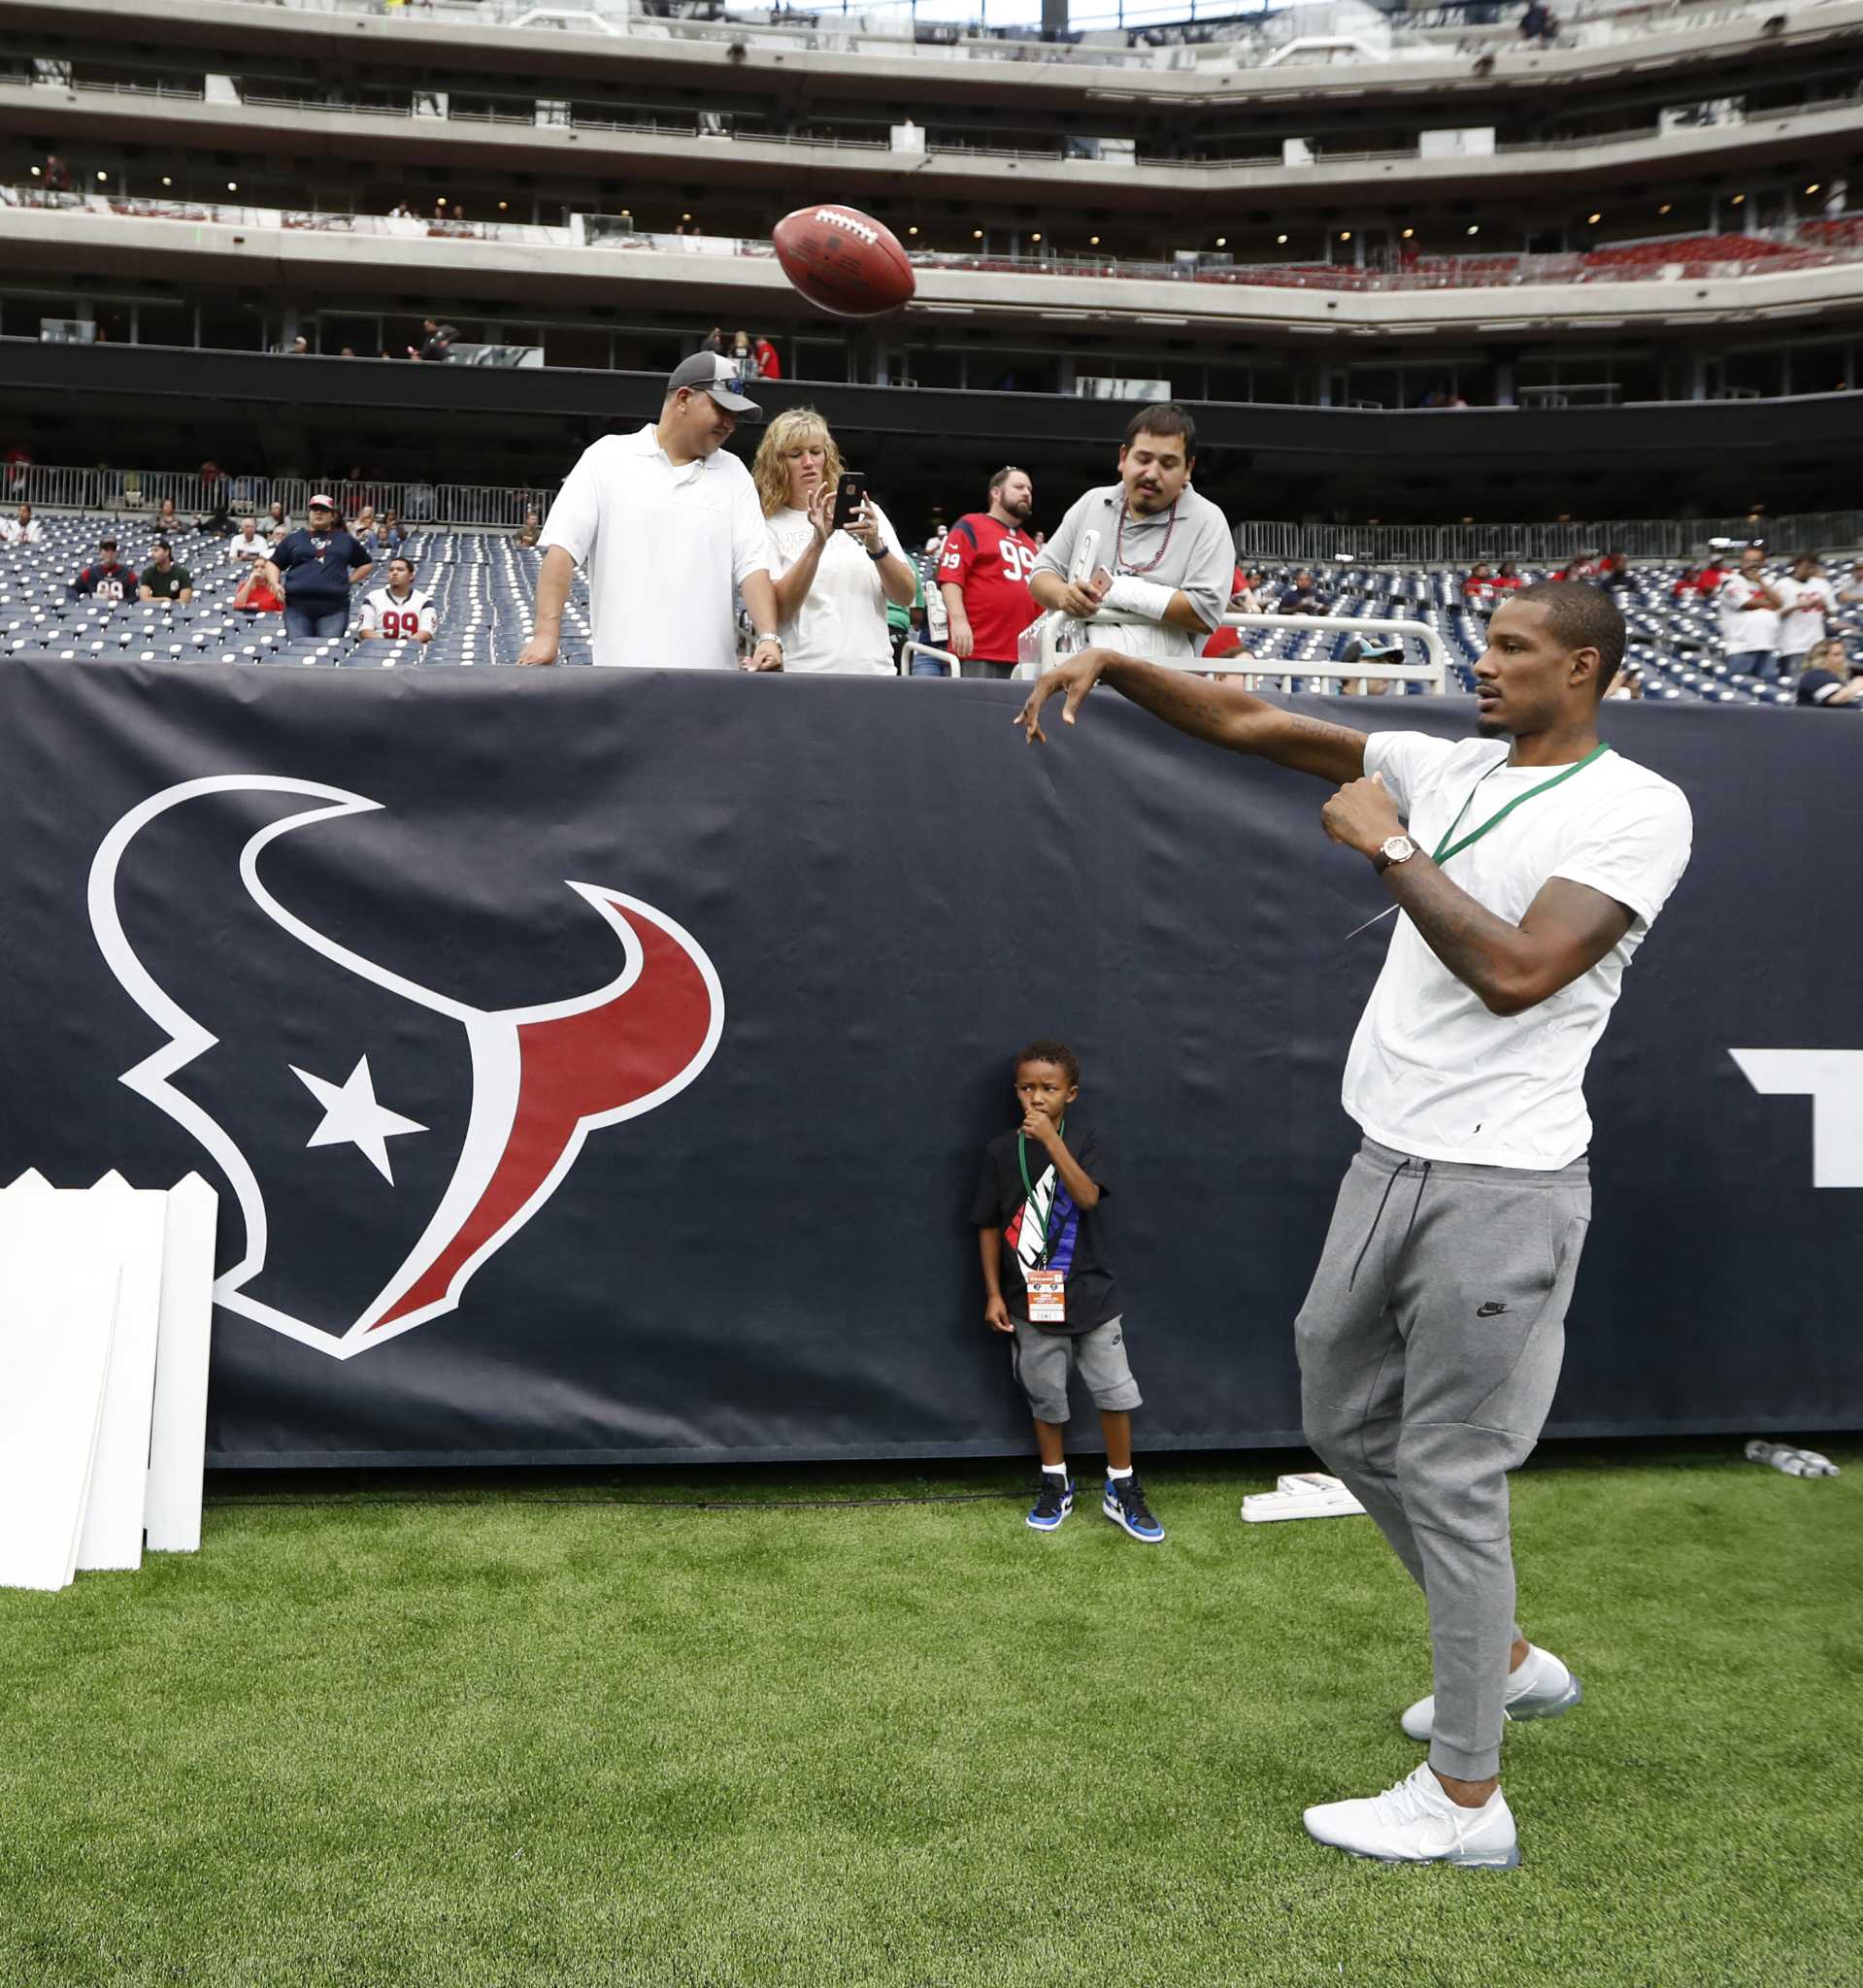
x,y
1125,1506
1052,1502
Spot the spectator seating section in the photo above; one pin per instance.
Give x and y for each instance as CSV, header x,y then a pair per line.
x,y
1674,647
482,584
1695,251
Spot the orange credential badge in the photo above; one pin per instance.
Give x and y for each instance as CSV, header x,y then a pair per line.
x,y
1046,1296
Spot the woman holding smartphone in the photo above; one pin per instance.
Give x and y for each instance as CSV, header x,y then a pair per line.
x,y
833,582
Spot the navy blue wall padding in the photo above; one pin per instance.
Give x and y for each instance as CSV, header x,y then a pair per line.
x,y
894,892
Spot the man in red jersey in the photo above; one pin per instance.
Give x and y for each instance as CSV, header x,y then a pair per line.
x,y
984,576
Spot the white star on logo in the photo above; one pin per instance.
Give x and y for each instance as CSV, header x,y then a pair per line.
x,y
352,1117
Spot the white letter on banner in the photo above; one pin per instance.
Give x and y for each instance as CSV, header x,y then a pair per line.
x,y
1833,1080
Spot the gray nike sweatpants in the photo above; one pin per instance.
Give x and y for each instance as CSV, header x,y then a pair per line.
x,y
1429,1348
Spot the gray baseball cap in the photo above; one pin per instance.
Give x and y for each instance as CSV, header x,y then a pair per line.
x,y
713,373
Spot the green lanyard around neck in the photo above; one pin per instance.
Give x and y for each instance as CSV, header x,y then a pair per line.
x,y
1448,846
1029,1186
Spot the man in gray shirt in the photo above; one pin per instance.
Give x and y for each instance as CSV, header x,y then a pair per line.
x,y
1157,549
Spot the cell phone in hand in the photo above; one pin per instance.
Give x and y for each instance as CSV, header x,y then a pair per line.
x,y
849,495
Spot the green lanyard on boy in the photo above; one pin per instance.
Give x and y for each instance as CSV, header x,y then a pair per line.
x,y
1047,1288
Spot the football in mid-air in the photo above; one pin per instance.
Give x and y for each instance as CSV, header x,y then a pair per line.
x,y
843,261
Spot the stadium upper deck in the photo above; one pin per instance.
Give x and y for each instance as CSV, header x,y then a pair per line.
x,y
1173,44
227,99
1326,211
1352,85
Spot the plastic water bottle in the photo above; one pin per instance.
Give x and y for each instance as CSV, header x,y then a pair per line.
x,y
1086,555
1794,1462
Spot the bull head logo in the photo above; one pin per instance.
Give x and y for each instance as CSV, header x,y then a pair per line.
x,y
542,1077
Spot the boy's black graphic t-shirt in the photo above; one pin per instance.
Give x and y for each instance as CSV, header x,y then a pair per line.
x,y
1076,1238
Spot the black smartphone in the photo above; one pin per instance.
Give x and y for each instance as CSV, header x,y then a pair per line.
x,y
850,494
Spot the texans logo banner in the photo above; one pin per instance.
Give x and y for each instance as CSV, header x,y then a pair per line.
x,y
539,1076
594,1064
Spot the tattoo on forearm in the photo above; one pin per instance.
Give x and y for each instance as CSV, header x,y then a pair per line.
x,y
1318,728
1464,935
1192,703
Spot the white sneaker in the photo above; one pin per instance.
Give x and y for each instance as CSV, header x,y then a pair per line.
x,y
1542,1689
1417,1823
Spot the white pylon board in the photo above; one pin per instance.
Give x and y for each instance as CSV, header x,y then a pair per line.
x,y
58,1290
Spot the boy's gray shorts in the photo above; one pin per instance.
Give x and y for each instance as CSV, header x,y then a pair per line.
x,y
1041,1360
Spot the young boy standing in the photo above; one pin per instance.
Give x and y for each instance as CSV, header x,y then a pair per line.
x,y
1050,1284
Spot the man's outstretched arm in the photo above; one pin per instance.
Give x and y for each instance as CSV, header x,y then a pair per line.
x,y
1222,713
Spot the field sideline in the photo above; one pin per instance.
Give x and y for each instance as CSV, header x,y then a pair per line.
x,y
550,1732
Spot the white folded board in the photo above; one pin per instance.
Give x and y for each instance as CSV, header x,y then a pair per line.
x,y
136,1221
178,1439
134,1457
59,1288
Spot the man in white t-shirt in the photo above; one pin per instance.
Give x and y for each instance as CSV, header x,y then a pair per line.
x,y
667,522
21,529
1806,598
1527,864
398,612
1749,606
249,542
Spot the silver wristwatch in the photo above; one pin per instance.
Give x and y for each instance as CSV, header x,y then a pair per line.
x,y
1394,849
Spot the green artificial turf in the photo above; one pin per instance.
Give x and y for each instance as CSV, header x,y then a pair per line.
x,y
528,1732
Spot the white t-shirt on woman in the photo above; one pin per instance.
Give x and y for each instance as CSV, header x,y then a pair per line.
x,y
842,624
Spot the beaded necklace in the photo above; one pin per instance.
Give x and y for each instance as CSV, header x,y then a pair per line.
x,y
1119,543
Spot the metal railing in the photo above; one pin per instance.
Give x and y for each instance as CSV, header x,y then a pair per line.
x,y
1259,541
952,665
1432,675
496,507
1154,33
139,494
1777,251
530,110
1437,272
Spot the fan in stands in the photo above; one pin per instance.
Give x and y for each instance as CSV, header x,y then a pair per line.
x,y
843,261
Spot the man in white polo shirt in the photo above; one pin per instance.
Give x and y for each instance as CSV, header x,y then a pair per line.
x,y
667,522
1526,865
